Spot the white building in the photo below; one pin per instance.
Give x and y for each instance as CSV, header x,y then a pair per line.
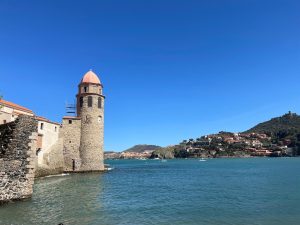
x,y
9,111
48,132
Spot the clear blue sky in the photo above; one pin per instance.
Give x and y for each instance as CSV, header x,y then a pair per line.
x,y
171,69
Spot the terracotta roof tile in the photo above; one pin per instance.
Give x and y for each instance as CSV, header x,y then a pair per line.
x,y
40,118
90,77
15,106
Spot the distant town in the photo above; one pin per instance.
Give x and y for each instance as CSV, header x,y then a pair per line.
x,y
275,138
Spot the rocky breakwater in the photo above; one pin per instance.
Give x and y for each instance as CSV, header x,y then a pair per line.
x,y
17,158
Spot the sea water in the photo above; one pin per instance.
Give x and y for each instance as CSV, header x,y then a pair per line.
x,y
256,191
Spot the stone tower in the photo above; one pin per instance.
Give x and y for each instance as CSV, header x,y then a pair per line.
x,y
90,108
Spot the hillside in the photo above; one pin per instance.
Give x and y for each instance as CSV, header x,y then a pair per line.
x,y
289,122
279,136
142,148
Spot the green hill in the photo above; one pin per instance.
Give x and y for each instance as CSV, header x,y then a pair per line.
x,y
142,148
282,133
289,122
284,130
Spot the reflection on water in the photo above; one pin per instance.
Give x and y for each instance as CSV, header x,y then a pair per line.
x,y
219,191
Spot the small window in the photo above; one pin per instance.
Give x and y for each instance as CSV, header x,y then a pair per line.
x,y
38,151
4,121
55,129
70,142
42,126
99,103
90,101
70,121
85,89
81,101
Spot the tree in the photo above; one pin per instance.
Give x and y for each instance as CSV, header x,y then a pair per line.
x,y
0,104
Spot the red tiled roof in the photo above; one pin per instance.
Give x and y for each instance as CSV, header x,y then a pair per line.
x,y
40,118
90,77
15,106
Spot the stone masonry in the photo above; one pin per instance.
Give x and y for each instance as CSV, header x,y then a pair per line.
x,y
84,133
91,142
71,131
17,158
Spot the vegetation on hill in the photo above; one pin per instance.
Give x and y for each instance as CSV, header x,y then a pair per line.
x,y
284,130
278,137
287,122
142,148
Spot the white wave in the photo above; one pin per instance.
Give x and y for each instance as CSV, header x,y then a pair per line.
x,y
58,175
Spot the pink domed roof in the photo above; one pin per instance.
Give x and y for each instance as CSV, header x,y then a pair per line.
x,y
90,77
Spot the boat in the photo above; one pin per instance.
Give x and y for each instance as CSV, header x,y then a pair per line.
x,y
202,160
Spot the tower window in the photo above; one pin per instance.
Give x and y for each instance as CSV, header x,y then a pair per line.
x,y
42,126
38,151
85,89
70,121
90,101
81,101
99,103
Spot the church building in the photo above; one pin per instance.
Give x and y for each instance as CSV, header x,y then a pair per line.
x,y
83,134
76,145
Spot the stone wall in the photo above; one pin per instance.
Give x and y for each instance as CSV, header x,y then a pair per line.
x,y
17,158
71,132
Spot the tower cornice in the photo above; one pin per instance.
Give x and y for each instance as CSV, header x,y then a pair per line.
x,y
86,94
81,84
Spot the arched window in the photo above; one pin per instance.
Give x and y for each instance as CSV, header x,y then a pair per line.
x,y
90,101
38,151
99,103
85,89
81,101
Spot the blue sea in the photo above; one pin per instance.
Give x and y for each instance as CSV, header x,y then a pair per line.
x,y
254,191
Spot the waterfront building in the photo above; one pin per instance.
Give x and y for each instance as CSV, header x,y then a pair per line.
x,y
76,145
83,133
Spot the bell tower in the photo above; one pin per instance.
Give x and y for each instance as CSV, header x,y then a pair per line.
x,y
90,108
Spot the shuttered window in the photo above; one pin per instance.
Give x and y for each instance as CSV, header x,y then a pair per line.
x,y
81,101
90,101
99,103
